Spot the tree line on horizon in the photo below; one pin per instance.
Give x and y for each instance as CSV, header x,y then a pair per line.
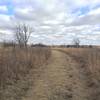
x,y
22,34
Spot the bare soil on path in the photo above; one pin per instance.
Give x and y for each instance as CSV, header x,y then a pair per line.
x,y
61,79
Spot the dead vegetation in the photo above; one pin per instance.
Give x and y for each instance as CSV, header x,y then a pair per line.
x,y
15,66
88,60
88,56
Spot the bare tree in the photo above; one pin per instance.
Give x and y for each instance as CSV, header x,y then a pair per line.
x,y
76,42
22,34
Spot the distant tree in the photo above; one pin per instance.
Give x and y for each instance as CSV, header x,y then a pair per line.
x,y
90,46
22,34
76,42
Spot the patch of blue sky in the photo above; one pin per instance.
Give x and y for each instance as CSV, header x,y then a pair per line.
x,y
9,5
81,11
8,12
10,9
5,2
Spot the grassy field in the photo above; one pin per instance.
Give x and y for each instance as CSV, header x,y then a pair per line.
x,y
16,65
88,60
88,56
44,73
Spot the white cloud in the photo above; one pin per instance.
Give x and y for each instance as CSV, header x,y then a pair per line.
x,y
3,8
56,21
5,22
91,18
95,12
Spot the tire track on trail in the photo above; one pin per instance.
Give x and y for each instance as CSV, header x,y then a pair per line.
x,y
60,80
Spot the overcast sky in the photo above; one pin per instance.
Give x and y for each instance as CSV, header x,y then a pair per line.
x,y
54,21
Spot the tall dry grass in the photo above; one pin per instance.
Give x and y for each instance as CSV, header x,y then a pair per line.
x,y
88,65
88,57
15,65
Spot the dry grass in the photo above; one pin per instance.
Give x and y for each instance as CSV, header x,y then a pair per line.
x,y
89,57
15,65
88,60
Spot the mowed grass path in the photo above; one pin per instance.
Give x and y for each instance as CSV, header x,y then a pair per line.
x,y
61,79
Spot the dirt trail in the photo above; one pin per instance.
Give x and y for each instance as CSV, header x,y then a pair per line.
x,y
60,80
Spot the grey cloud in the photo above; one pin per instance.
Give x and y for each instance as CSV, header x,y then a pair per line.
x,y
86,20
6,23
57,26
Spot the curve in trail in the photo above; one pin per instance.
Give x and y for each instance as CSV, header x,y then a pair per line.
x,y
60,80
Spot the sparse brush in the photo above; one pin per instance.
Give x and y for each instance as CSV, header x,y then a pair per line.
x,y
88,56
16,63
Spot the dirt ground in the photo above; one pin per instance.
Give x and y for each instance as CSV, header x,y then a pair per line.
x,y
61,79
